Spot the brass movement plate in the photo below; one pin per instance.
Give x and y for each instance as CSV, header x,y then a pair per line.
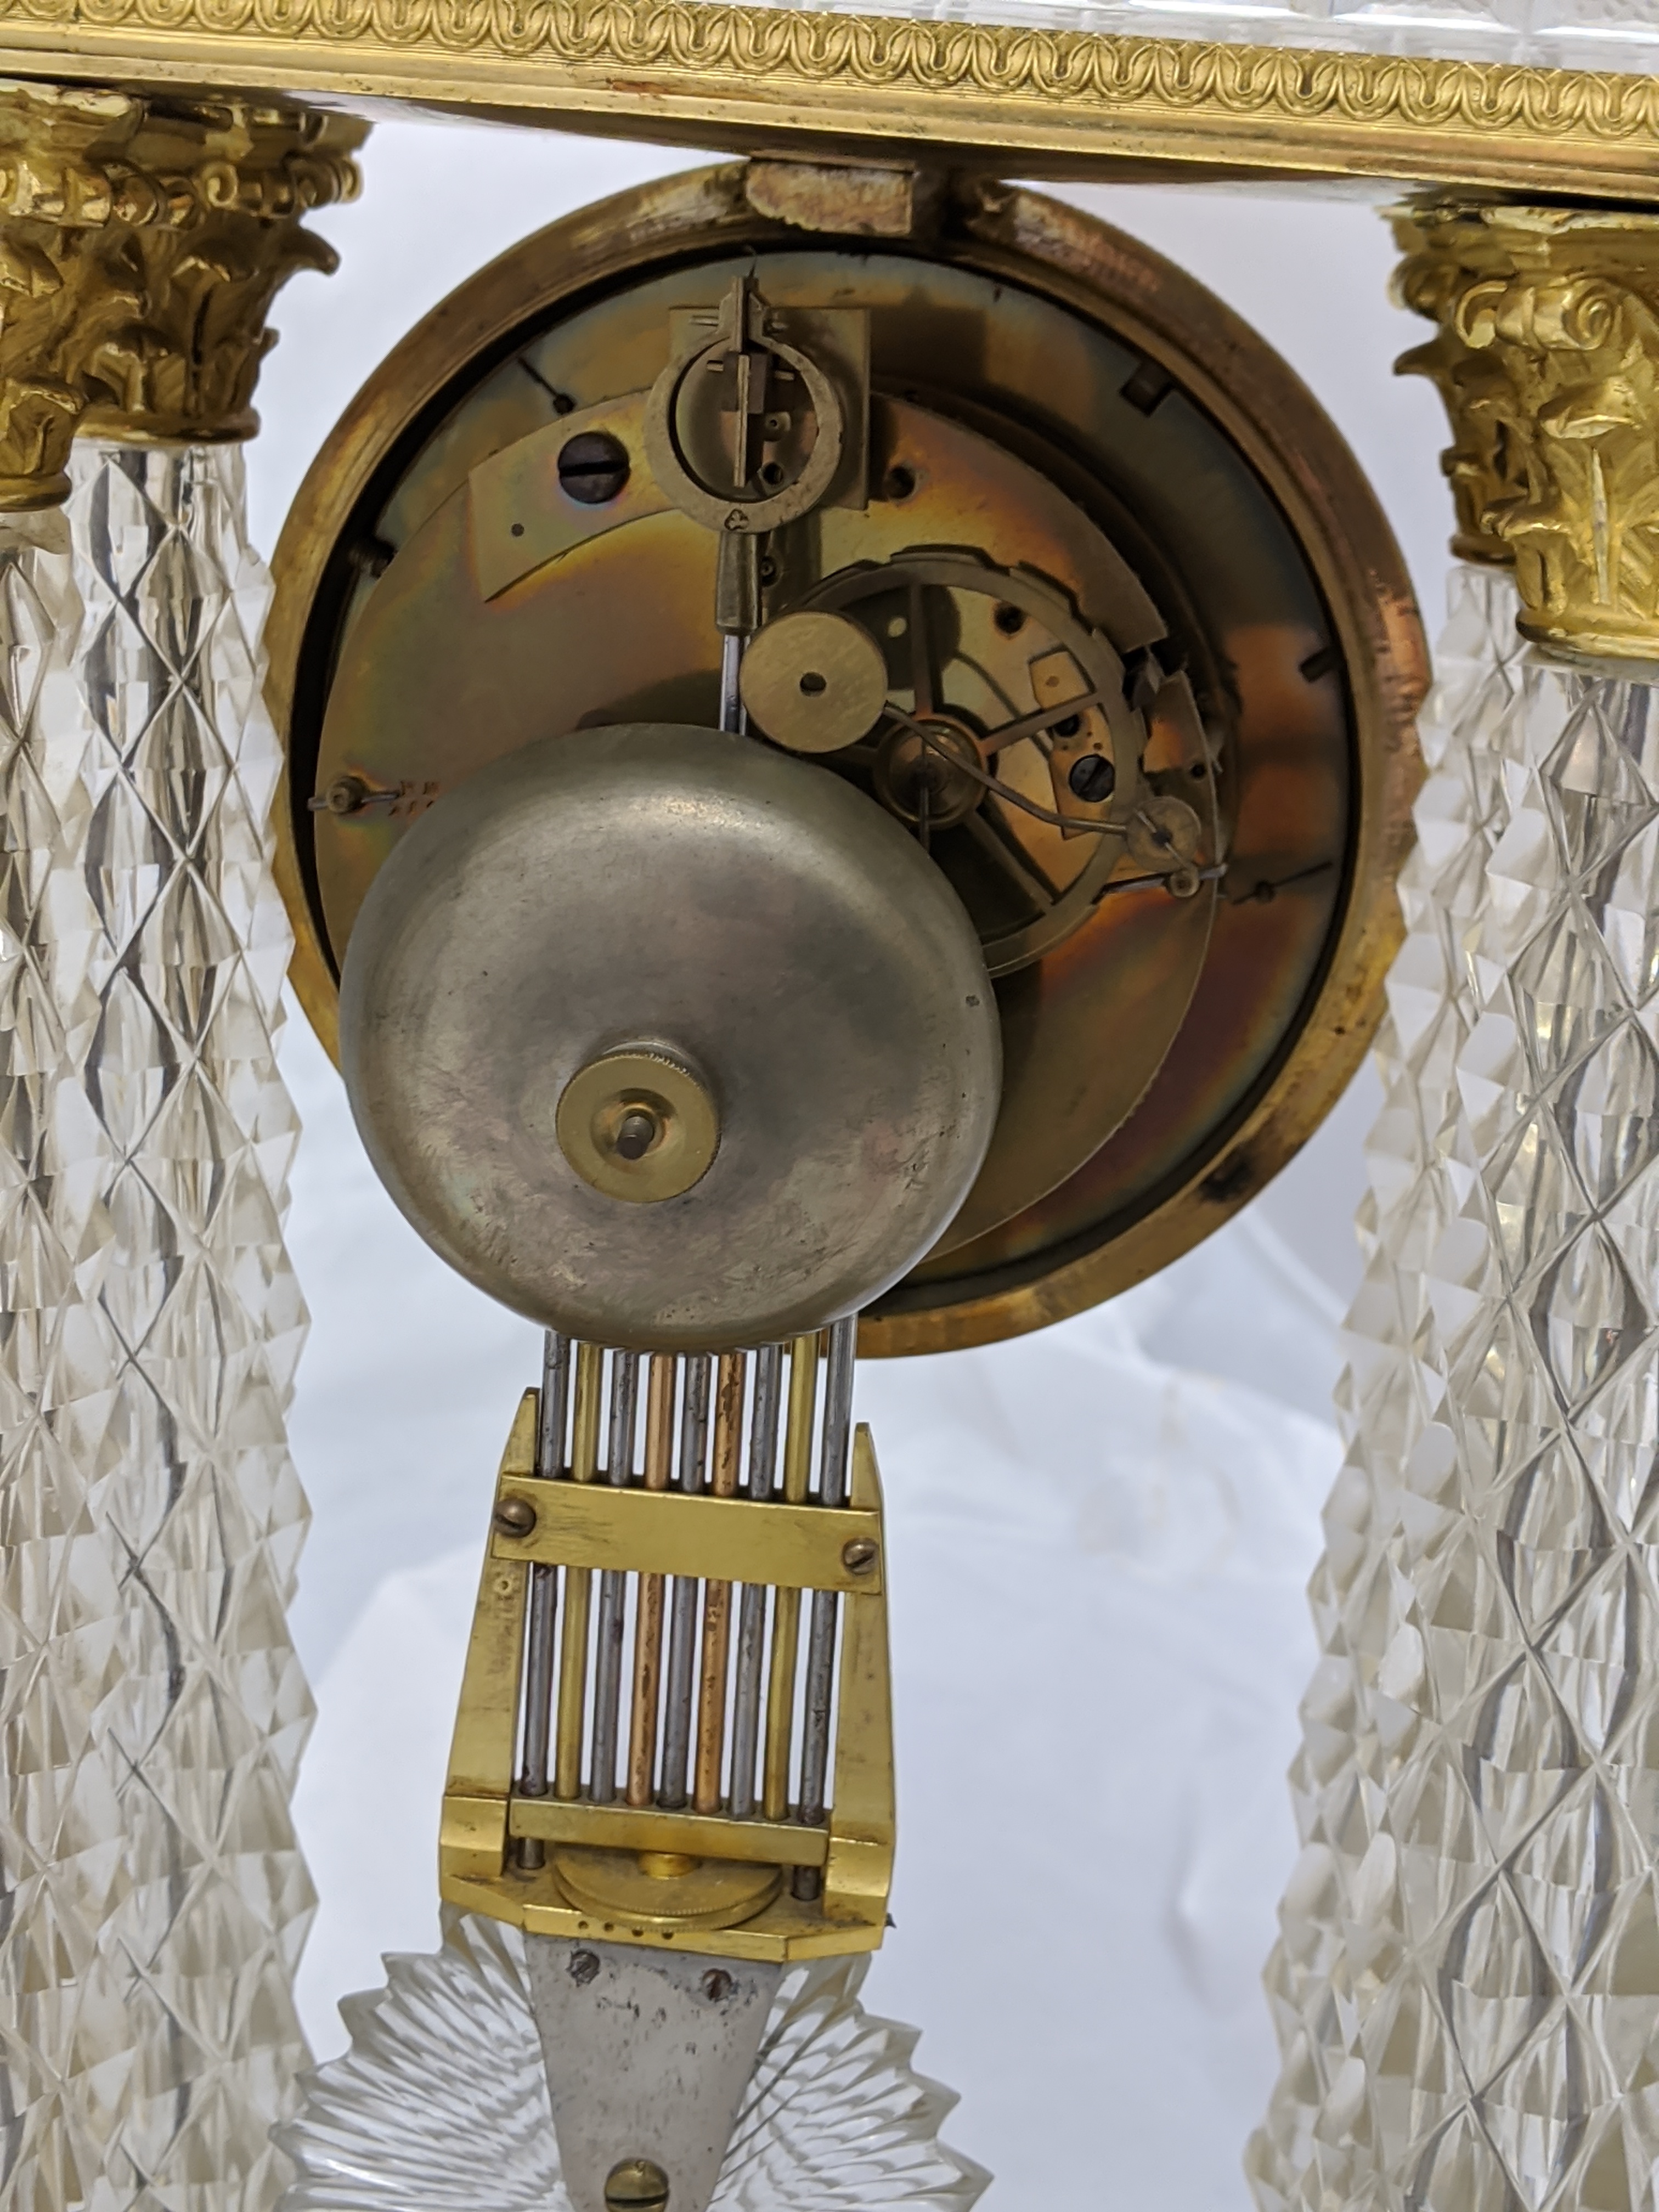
x,y
1015,343
1048,102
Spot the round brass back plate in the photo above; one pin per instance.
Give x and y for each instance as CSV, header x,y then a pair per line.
x,y
1202,509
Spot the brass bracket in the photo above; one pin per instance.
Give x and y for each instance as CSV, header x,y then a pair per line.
x,y
581,1526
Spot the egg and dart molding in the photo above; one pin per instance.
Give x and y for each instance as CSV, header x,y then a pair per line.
x,y
847,764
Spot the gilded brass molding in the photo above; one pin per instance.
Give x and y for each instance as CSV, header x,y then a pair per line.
x,y
1547,357
1051,103
141,245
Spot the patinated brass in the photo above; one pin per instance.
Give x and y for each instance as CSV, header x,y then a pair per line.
x,y
142,243
1547,354
1109,439
718,1889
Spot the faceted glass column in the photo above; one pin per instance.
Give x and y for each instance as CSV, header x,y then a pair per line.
x,y
1466,1987
153,1708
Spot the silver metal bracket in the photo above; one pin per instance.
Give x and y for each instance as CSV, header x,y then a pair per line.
x,y
647,2057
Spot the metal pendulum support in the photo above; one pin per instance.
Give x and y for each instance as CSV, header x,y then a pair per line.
x,y
659,1920
540,1647
833,1454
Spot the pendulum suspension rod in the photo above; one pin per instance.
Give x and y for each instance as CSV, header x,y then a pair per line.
x,y
543,1593
751,1619
613,1585
682,1626
717,1596
647,1627
579,1584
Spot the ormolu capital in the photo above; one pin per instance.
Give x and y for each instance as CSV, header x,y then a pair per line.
x,y
141,245
1546,354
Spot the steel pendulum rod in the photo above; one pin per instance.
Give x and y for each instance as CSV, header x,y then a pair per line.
x,y
751,1619
613,1585
578,1583
786,1603
544,1595
717,1596
821,1637
731,671
683,1624
647,1627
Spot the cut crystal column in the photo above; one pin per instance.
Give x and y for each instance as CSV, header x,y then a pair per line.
x,y
153,1708
1466,1987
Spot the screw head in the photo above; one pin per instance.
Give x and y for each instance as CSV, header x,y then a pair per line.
x,y
717,1985
592,467
1093,777
347,794
515,1516
860,1556
583,1965
638,2184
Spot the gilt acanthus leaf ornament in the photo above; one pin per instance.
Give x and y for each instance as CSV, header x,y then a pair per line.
x,y
141,245
1546,354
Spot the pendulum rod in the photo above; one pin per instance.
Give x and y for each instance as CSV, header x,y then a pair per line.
x,y
717,1596
682,1624
613,1585
578,1581
833,1456
751,1619
540,1650
786,1603
648,1627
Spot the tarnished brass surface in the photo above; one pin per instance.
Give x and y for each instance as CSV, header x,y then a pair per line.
x,y
1049,395
1547,354
143,241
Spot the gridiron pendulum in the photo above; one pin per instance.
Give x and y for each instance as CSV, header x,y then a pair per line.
x,y
952,928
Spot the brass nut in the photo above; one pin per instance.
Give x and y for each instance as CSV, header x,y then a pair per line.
x,y
638,2184
637,1125
860,1556
515,1516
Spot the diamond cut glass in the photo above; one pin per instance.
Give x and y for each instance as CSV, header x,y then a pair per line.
x,y
444,2080
1467,1985
153,1710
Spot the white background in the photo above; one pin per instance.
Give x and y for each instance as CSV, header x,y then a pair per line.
x,y
1101,1534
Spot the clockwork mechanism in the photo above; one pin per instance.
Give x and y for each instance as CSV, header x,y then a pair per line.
x,y
935,707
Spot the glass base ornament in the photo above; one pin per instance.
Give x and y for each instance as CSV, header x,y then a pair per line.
x,y
444,2080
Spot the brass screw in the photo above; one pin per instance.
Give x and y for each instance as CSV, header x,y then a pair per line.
x,y
638,2184
860,1556
515,1516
